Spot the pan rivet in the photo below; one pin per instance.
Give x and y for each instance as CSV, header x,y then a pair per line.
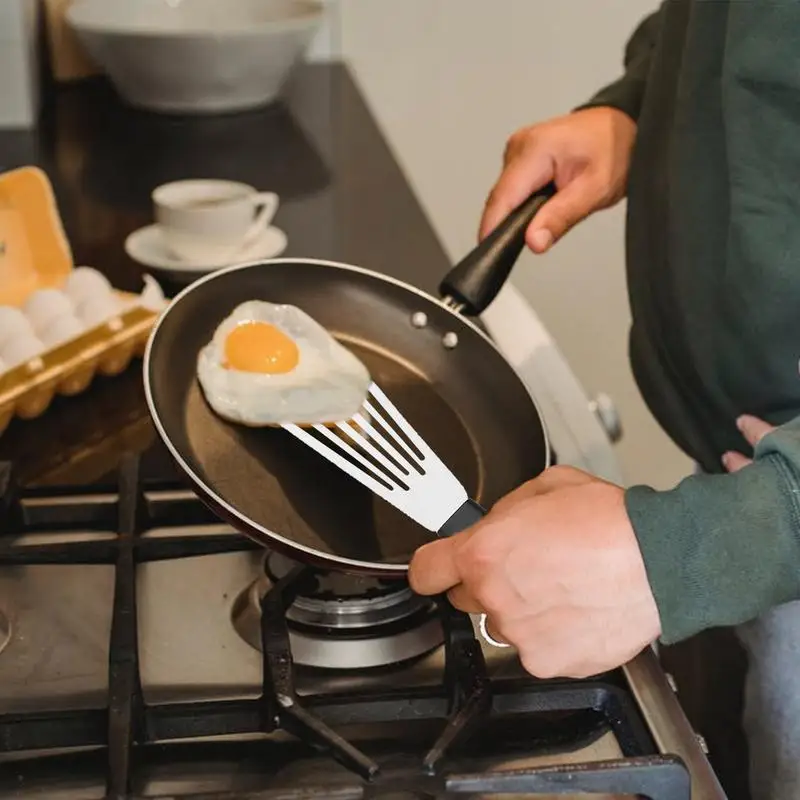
x,y
419,319
450,340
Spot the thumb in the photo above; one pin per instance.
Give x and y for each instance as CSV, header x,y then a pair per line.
x,y
571,204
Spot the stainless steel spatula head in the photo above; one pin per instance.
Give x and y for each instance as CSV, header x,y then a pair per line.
x,y
381,450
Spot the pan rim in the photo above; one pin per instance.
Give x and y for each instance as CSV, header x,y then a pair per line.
x,y
373,567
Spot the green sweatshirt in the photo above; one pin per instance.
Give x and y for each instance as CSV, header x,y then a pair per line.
x,y
713,252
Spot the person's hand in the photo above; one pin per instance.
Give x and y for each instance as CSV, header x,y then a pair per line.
x,y
556,567
587,154
754,430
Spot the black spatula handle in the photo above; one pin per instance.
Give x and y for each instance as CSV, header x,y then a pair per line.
x,y
479,277
463,518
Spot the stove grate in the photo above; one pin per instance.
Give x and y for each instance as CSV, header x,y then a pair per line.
x,y
131,734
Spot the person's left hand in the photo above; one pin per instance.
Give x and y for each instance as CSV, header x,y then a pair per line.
x,y
754,430
557,568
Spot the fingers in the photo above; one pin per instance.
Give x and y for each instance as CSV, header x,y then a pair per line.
x,y
433,568
433,571
753,429
461,598
525,173
733,462
528,167
571,204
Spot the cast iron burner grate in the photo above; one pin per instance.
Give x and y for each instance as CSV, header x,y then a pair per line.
x,y
135,739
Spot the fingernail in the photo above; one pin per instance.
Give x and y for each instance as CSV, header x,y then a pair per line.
x,y
726,460
542,240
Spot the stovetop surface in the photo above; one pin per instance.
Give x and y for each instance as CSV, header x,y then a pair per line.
x,y
124,676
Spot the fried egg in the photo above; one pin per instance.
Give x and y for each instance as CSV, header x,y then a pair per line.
x,y
269,365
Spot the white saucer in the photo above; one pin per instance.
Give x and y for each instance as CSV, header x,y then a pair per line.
x,y
146,246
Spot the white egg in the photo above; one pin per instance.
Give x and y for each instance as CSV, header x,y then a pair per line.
x,y
20,350
327,384
13,324
45,306
96,310
61,330
84,283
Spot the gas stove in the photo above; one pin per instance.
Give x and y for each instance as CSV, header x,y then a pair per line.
x,y
151,652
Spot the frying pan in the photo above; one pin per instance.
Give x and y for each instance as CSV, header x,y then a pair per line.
x,y
443,373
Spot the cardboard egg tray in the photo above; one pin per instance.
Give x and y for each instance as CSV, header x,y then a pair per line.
x,y
35,254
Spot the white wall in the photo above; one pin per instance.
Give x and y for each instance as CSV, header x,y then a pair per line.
x,y
19,87
327,43
448,81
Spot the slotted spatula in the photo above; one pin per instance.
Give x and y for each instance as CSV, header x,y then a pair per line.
x,y
381,450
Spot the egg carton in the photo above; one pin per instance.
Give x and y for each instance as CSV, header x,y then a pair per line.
x,y
68,368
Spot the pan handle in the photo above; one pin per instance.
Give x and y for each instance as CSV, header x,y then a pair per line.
x,y
478,278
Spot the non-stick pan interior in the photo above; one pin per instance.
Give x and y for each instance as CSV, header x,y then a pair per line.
x,y
465,401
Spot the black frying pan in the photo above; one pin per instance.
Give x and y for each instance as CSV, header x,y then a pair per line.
x,y
466,401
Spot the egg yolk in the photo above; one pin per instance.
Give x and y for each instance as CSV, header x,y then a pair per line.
x,y
260,347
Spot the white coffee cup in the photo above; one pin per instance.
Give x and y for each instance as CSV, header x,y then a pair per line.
x,y
211,222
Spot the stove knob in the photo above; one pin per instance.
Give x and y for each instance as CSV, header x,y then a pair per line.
x,y
604,409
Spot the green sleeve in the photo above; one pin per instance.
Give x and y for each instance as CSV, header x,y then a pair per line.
x,y
626,93
722,549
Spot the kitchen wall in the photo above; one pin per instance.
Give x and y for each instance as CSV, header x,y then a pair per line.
x,y
448,80
327,43
19,77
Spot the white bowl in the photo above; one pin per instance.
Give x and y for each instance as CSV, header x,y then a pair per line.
x,y
196,56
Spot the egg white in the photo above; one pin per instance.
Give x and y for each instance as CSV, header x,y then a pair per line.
x,y
329,384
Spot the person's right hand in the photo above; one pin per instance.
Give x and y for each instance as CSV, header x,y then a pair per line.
x,y
587,154
558,570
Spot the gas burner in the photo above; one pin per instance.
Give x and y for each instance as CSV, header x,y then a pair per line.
x,y
344,621
346,602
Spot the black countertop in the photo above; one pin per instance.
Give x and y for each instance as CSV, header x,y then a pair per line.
x,y
343,198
